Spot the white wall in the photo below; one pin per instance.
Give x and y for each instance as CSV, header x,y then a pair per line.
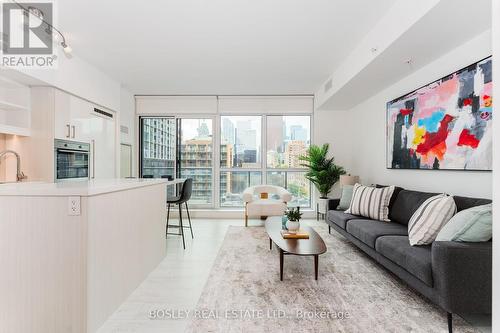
x,y
335,128
369,123
81,79
128,119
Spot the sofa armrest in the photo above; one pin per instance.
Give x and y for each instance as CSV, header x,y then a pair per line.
x,y
332,204
462,274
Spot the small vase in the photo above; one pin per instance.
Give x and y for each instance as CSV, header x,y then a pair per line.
x,y
293,226
284,220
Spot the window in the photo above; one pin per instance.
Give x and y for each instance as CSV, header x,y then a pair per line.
x,y
253,150
240,144
295,183
288,137
233,183
240,148
158,147
192,157
196,156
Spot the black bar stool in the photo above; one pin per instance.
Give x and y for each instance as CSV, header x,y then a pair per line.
x,y
185,195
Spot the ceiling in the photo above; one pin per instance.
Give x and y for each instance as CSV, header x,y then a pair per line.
x,y
446,26
218,46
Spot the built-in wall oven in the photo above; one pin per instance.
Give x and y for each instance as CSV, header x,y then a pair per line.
x,y
71,160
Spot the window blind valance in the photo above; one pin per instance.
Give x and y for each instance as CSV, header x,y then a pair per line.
x,y
244,105
265,104
163,105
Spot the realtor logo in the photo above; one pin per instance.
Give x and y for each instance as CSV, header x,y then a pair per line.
x,y
27,39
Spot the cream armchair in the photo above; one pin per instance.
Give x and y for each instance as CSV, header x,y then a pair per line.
x,y
259,202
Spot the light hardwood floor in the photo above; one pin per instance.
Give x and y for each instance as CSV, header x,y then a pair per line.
x,y
177,283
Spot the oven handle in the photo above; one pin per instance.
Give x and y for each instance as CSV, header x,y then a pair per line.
x,y
93,159
72,151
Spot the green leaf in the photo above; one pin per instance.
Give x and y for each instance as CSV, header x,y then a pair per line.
x,y
322,170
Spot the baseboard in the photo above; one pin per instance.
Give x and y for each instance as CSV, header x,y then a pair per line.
x,y
227,213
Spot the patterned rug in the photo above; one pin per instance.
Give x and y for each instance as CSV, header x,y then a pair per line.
x,y
353,294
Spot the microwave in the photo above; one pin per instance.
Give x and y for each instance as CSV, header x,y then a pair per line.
x,y
71,160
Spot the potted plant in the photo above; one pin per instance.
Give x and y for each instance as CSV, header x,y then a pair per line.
x,y
322,172
293,215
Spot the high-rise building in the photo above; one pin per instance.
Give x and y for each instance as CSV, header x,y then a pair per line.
x,y
227,131
196,163
293,150
158,147
298,133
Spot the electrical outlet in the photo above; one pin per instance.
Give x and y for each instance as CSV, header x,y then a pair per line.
x,y
74,206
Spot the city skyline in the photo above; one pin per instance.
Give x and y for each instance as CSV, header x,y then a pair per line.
x,y
240,147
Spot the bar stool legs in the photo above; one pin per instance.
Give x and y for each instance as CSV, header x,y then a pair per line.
x,y
168,218
189,219
180,225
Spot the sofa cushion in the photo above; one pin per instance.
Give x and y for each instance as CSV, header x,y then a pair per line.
x,y
368,231
371,202
414,259
345,197
397,189
469,225
428,220
466,203
406,203
339,217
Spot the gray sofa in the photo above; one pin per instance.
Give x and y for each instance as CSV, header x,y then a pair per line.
x,y
455,276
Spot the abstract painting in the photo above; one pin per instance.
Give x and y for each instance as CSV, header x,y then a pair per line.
x,y
445,125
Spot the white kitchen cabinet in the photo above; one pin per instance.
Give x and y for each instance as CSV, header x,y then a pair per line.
x,y
62,116
102,134
15,112
75,119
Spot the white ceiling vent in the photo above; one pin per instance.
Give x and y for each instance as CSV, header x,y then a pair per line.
x,y
103,113
328,85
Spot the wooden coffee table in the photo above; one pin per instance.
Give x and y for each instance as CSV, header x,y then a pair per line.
x,y
314,246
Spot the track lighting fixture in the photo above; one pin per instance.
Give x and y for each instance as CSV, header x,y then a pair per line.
x,y
50,29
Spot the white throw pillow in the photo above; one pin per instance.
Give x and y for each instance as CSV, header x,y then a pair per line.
x,y
371,202
430,217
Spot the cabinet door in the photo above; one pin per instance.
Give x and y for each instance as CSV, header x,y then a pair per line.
x,y
81,119
62,115
103,147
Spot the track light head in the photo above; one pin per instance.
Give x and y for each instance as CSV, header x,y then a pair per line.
x,y
66,48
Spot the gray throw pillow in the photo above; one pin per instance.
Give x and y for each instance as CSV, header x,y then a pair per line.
x,y
469,225
345,198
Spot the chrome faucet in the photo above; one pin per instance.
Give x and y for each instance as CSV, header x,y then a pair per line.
x,y
19,174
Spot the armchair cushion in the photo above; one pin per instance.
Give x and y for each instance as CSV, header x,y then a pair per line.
x,y
266,207
250,192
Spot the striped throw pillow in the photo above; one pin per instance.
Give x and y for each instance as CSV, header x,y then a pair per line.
x,y
371,202
429,218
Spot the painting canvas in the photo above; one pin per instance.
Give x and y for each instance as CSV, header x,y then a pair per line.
x,y
445,125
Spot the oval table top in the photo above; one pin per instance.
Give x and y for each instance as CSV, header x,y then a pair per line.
x,y
302,247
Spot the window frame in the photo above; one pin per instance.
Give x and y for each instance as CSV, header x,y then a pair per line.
x,y
216,142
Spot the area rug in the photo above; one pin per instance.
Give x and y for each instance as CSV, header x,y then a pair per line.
x,y
353,294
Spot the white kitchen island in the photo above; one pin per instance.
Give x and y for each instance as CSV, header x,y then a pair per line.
x,y
71,253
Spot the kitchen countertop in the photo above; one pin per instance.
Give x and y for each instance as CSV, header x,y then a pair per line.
x,y
79,188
